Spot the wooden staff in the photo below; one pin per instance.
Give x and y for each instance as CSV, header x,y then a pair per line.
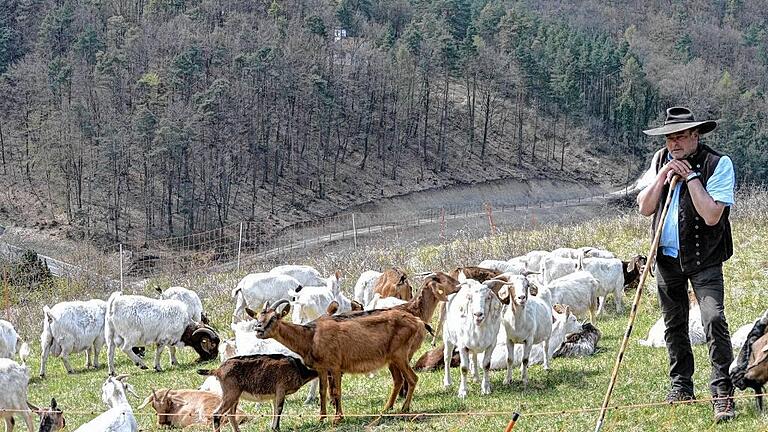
x,y
636,303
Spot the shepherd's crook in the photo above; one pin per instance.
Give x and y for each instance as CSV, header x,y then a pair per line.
x,y
636,303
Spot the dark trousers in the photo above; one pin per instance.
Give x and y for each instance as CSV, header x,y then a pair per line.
x,y
673,295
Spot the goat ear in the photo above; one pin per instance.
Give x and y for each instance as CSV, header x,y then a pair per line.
x,y
266,306
146,401
504,294
53,403
283,309
251,313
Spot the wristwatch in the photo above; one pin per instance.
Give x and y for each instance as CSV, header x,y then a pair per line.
x,y
691,176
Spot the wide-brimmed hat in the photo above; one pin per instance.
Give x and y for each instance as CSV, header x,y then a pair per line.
x,y
680,119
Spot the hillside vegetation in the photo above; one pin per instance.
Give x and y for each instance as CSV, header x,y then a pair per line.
x,y
576,385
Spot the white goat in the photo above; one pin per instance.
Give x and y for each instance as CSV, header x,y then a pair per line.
x,y
554,267
190,299
514,266
306,275
593,252
564,324
256,288
527,320
696,333
9,341
609,273
740,335
119,417
364,286
71,328
577,290
471,325
379,302
533,260
310,302
14,382
139,321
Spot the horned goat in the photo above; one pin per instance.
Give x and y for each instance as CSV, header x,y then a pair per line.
x,y
137,321
119,417
358,342
261,377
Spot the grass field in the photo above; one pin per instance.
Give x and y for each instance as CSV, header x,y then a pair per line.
x,y
556,400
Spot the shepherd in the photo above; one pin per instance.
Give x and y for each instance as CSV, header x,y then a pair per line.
x,y
695,241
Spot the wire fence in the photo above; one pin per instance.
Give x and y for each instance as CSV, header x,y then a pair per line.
x,y
244,244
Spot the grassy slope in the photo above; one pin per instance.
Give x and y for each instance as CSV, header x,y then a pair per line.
x,y
569,385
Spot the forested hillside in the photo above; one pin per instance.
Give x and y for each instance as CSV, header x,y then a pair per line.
x,y
135,118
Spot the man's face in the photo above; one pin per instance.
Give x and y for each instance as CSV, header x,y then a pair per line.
x,y
682,144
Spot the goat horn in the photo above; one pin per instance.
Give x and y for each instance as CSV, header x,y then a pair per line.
x,y
205,331
424,274
122,377
278,303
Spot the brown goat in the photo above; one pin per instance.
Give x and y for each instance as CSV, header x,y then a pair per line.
x,y
51,418
394,283
261,377
181,408
632,271
350,343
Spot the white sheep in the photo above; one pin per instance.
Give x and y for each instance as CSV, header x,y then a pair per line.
x,y
364,286
696,333
189,298
71,328
9,341
609,273
132,321
527,320
257,288
14,382
306,275
471,325
577,290
119,417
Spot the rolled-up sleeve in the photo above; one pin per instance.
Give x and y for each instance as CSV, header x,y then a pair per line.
x,y
722,182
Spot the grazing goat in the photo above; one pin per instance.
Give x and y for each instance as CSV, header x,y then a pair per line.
x,y
471,325
750,369
189,298
51,418
70,328
119,417
14,382
581,343
261,377
257,288
9,340
609,273
696,333
138,321
394,283
527,320
182,408
358,342
364,286
306,275
633,269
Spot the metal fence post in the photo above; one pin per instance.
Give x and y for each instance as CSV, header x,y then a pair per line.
x,y
121,266
354,230
239,246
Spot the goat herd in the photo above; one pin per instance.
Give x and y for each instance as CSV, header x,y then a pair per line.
x,y
494,315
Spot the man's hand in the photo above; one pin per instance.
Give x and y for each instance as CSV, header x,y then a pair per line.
x,y
676,167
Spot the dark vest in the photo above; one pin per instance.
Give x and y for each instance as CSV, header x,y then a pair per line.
x,y
701,246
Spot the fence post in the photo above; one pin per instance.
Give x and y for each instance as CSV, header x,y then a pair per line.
x,y
239,246
6,296
121,266
442,222
354,230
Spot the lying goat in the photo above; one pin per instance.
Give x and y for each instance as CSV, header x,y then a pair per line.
x,y
261,377
581,343
181,408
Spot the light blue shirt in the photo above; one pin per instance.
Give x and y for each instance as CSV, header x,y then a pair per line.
x,y
720,187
